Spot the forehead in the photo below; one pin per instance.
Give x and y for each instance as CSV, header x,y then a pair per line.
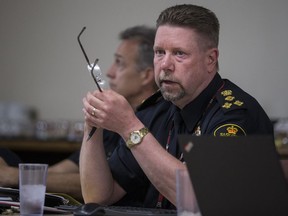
x,y
175,36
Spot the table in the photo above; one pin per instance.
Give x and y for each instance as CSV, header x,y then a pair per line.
x,y
33,150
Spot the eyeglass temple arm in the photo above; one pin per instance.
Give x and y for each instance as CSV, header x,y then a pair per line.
x,y
78,38
87,59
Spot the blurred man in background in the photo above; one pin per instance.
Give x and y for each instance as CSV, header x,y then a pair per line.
x,y
131,75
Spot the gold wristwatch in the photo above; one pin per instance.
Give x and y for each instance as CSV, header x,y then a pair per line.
x,y
136,137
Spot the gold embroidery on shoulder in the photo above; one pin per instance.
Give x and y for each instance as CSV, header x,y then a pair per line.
x,y
226,93
227,105
238,103
230,101
229,98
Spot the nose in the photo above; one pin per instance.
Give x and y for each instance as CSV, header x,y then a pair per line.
x,y
111,72
167,62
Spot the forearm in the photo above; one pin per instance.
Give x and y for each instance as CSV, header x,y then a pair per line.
x,y
68,183
95,175
159,166
9,176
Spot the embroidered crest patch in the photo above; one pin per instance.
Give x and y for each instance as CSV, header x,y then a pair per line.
x,y
229,130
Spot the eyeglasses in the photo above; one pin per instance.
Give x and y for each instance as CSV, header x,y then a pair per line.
x,y
96,78
92,67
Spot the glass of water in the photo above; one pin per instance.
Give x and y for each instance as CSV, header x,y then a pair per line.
x,y
32,185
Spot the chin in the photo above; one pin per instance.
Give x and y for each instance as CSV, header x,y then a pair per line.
x,y
112,87
171,96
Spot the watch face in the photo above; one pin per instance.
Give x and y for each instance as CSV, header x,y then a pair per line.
x,y
135,138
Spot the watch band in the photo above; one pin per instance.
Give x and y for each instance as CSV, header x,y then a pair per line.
x,y
136,137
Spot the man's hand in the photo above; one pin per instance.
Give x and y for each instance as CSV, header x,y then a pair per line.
x,y
111,111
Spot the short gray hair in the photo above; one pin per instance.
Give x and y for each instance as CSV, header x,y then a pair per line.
x,y
145,36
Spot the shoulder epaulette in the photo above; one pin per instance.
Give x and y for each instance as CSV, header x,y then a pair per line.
x,y
230,100
150,101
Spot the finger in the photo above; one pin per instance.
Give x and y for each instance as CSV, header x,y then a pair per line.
x,y
90,120
93,111
100,96
89,107
94,101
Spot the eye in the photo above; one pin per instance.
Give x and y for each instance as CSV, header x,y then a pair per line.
x,y
179,53
119,63
159,52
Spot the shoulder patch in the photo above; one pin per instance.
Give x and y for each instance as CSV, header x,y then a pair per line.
x,y
150,101
229,101
228,130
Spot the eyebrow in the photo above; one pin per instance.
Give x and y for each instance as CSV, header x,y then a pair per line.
x,y
118,55
157,47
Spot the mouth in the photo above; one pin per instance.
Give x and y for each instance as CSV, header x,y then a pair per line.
x,y
111,85
167,83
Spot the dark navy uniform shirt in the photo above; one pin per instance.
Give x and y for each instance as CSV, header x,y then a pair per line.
x,y
110,140
222,109
10,157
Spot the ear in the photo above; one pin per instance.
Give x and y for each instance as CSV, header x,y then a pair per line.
x,y
147,76
212,59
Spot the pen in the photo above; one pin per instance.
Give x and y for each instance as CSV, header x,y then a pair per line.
x,y
91,133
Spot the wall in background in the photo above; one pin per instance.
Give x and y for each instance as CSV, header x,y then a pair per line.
x,y
41,64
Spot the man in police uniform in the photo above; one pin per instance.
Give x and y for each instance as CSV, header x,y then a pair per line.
x,y
194,99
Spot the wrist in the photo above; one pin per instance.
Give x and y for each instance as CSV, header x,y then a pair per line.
x,y
130,128
136,137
